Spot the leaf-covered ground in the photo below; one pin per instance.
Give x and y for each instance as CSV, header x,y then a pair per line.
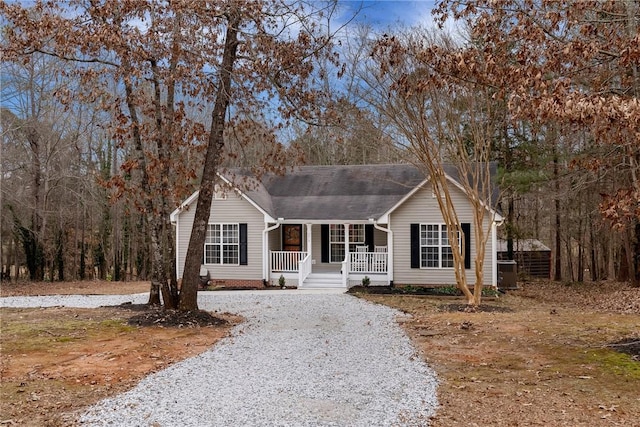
x,y
548,354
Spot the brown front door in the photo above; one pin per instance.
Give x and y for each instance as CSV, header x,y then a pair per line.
x,y
292,237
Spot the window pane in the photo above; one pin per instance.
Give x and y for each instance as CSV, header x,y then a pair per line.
x,y
445,236
336,232
447,257
212,254
432,235
356,233
230,254
337,252
213,233
230,233
430,257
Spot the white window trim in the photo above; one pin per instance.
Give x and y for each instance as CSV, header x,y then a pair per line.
x,y
342,242
221,244
335,242
440,246
352,228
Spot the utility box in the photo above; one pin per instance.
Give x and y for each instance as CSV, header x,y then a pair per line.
x,y
204,277
507,275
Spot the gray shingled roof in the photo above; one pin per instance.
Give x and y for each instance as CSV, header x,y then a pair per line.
x,y
351,192
346,192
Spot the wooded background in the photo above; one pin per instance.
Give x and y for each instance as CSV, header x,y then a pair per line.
x,y
93,101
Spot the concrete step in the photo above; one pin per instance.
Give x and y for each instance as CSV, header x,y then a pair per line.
x,y
322,280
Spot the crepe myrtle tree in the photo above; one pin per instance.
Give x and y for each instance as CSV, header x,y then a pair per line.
x,y
442,122
155,66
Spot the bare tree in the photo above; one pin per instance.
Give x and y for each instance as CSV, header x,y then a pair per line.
x,y
150,64
571,66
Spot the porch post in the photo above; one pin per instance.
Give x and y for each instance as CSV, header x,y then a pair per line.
x,y
266,251
494,255
390,247
346,242
309,238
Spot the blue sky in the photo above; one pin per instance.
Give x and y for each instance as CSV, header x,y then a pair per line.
x,y
382,14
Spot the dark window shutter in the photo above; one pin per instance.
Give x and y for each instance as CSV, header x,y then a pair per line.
x,y
415,245
243,244
466,231
324,238
368,236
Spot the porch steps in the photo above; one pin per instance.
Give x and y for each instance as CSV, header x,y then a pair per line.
x,y
322,281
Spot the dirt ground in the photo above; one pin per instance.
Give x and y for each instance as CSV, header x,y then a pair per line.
x,y
88,287
55,361
543,355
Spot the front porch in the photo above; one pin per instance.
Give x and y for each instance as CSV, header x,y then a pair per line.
x,y
298,267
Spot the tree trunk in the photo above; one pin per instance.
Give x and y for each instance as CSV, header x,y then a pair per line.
x,y
158,275
195,250
558,248
82,271
635,244
595,267
580,246
510,226
163,137
36,250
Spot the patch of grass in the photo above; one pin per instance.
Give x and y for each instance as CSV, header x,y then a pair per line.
x,y
66,339
613,362
41,333
117,325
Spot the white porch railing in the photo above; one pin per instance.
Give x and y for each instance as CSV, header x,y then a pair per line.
x,y
368,262
304,269
286,261
345,273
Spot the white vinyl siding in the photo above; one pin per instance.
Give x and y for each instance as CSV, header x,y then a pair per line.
x,y
421,208
275,239
316,243
379,238
231,210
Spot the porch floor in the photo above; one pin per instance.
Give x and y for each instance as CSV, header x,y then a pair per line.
x,y
326,268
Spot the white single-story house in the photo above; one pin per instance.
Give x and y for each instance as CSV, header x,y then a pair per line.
x,y
332,226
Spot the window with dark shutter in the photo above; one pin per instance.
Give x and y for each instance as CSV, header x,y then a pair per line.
x,y
415,245
243,244
431,248
324,238
466,231
369,237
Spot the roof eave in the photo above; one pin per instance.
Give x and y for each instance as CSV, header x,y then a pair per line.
x,y
184,205
384,218
174,215
267,216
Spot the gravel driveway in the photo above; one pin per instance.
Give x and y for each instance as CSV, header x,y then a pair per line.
x,y
299,360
